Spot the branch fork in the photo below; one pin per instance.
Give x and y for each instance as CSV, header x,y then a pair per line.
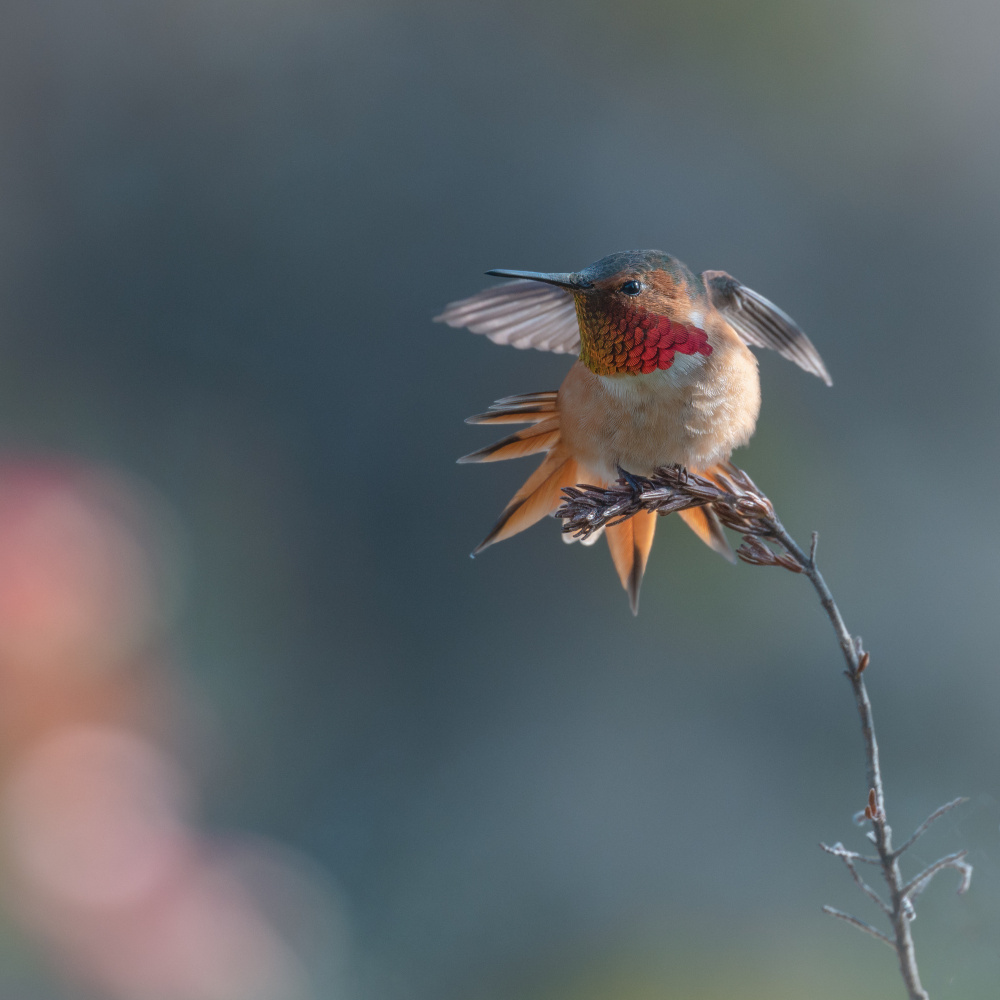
x,y
741,506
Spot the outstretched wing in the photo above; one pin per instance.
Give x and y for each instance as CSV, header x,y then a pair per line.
x,y
761,323
520,313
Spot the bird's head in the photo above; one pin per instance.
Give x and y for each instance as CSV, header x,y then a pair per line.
x,y
636,311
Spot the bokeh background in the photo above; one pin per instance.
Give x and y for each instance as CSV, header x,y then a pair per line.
x,y
265,730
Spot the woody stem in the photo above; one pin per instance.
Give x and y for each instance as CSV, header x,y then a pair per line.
x,y
856,662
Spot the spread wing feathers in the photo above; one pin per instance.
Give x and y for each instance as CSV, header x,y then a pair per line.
x,y
530,408
542,436
630,542
521,313
540,495
706,526
760,323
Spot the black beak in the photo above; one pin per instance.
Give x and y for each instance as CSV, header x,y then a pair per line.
x,y
571,281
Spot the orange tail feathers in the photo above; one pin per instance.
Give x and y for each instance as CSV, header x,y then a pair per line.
x,y
543,436
630,543
703,521
542,493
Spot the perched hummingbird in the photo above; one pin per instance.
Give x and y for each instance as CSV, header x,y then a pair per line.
x,y
664,377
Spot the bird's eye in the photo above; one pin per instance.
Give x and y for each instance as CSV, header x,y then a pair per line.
x,y
631,287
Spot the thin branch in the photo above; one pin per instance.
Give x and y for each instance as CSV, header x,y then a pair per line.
x,y
861,925
846,856
956,861
741,506
839,850
922,829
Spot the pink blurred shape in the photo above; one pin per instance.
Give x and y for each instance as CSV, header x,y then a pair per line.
x,y
76,587
124,893
105,868
93,817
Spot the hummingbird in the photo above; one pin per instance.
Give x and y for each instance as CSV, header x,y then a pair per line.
x,y
664,376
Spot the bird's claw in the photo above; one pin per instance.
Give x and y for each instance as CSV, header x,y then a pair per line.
x,y
634,483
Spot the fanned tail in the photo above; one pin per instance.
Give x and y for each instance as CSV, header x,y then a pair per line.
x,y
541,494
528,408
543,436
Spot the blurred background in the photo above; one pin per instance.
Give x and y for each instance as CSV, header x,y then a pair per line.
x,y
265,730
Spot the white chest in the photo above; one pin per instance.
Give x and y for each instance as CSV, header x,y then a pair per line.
x,y
692,414
639,390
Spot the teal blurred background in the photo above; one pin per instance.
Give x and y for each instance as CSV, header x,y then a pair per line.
x,y
225,227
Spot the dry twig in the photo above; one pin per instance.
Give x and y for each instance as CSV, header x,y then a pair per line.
x,y
740,505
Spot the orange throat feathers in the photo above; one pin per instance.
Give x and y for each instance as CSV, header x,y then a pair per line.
x,y
618,340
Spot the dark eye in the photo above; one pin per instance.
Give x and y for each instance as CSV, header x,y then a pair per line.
x,y
631,287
